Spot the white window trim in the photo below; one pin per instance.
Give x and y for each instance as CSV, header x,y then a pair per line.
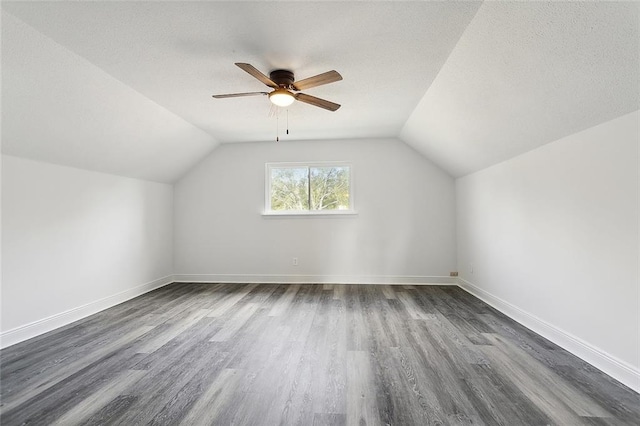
x,y
301,213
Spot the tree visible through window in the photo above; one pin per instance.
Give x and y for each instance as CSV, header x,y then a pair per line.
x,y
309,188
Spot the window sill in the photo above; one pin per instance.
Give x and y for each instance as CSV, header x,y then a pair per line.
x,y
311,214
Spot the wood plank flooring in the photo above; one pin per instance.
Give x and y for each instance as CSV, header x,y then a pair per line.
x,y
230,354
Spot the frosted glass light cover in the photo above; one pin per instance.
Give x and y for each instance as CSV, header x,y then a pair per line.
x,y
281,97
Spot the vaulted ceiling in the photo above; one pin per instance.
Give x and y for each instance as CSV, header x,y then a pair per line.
x,y
125,87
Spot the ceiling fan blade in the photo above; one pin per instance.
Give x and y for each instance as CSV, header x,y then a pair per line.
x,y
318,80
238,95
257,74
312,100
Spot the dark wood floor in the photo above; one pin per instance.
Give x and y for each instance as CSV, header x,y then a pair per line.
x,y
198,354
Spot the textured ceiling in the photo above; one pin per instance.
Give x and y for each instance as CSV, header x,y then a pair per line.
x,y
124,87
59,108
180,53
526,74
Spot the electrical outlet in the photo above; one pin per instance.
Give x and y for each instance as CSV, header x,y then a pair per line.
x,y
294,262
453,274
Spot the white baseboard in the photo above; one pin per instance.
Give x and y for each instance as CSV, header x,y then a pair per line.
x,y
314,279
614,367
36,328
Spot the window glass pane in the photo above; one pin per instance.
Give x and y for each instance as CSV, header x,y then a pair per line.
x,y
290,188
329,188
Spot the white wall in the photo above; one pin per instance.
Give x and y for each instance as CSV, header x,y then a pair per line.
x,y
405,229
75,242
552,238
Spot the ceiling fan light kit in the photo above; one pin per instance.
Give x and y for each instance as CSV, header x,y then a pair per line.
x,y
283,83
281,97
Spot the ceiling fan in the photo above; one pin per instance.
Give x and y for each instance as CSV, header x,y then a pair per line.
x,y
284,84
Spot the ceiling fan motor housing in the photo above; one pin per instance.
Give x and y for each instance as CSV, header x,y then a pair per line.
x,y
282,78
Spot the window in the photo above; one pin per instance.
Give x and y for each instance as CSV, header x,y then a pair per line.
x,y
305,188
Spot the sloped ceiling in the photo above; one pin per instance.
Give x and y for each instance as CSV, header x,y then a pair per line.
x,y
124,87
526,74
59,108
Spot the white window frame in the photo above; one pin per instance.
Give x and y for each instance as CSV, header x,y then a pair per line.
x,y
293,165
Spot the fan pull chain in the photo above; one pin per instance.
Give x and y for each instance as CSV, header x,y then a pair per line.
x,y
277,113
